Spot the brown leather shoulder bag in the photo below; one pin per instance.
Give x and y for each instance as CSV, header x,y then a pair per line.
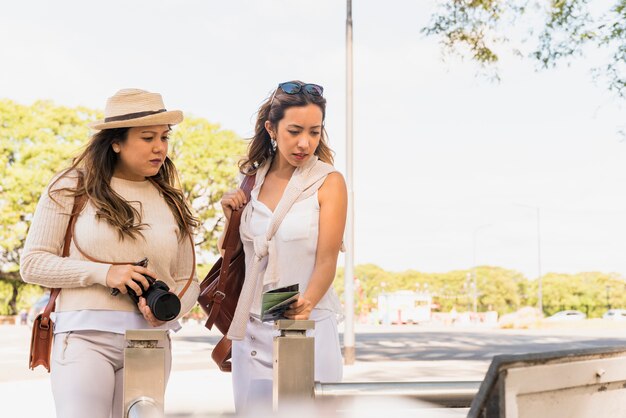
x,y
220,289
42,332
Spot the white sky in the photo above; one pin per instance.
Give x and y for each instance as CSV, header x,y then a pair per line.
x,y
439,153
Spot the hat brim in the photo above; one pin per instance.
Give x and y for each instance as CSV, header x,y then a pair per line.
x,y
171,117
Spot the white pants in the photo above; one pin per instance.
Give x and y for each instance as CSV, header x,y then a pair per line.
x,y
87,373
252,360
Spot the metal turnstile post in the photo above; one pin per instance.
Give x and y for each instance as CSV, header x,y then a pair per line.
x,y
293,363
144,374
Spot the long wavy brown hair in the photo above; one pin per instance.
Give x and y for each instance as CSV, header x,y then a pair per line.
x,y
260,149
96,165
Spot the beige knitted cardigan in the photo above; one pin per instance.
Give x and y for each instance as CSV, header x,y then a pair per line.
x,y
304,182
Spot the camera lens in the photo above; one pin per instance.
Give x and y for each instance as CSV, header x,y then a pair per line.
x,y
164,305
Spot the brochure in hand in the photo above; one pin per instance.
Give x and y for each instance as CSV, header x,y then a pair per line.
x,y
275,302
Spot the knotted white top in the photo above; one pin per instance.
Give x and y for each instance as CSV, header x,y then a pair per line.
x,y
263,266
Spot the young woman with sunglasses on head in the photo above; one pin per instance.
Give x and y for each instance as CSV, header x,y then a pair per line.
x,y
292,231
133,209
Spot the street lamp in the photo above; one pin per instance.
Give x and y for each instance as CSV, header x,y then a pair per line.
x,y
474,290
348,337
539,290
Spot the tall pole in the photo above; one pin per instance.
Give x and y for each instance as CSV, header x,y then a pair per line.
x,y
348,336
474,285
540,290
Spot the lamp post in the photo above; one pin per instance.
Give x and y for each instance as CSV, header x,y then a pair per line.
x,y
466,288
348,336
539,287
474,289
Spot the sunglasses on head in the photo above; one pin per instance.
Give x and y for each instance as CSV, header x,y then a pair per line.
x,y
292,87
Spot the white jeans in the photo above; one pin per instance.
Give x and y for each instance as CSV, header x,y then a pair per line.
x,y
87,373
252,360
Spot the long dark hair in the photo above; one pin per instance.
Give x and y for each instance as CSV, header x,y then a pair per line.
x,y
260,149
96,165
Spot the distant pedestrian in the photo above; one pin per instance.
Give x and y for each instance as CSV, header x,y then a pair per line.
x,y
134,209
23,317
453,315
301,197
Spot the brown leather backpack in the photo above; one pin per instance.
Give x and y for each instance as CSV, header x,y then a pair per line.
x,y
220,289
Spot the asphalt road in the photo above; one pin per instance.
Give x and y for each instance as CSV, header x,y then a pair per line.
x,y
192,346
408,353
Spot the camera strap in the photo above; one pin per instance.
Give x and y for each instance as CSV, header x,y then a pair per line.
x,y
95,260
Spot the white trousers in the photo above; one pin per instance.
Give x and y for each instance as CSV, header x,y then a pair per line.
x,y
87,372
252,360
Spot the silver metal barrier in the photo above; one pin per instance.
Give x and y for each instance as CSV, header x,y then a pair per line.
x,y
448,394
144,373
294,376
293,362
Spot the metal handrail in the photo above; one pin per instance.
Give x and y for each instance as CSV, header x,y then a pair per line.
x,y
455,394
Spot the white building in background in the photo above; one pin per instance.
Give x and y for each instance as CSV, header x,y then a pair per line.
x,y
404,307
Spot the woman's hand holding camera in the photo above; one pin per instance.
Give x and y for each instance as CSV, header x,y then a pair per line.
x,y
121,276
233,200
147,313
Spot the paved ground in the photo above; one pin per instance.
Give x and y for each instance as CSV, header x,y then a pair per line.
x,y
409,353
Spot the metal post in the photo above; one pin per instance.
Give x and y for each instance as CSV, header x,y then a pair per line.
x,y
294,358
539,284
540,290
144,374
348,335
474,285
468,286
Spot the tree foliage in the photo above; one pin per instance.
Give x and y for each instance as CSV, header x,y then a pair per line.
x,y
206,157
497,289
547,31
39,140
592,293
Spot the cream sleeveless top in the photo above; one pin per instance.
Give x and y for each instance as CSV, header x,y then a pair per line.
x,y
296,245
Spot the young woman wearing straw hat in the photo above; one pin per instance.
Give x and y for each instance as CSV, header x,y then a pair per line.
x,y
292,231
134,209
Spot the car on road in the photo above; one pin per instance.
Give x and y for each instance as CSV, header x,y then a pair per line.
x,y
615,314
569,315
37,308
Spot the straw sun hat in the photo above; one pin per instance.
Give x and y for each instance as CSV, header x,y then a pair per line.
x,y
134,107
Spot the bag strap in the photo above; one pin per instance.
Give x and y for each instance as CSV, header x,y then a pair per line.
x,y
232,240
79,204
221,353
95,260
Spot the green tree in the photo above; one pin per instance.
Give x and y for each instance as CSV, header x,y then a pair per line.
x,y
206,157
497,288
39,140
547,31
35,142
591,292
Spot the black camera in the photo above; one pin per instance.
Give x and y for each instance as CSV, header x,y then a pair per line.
x,y
164,304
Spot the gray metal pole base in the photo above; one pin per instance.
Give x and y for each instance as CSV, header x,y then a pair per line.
x,y
293,363
144,374
349,355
